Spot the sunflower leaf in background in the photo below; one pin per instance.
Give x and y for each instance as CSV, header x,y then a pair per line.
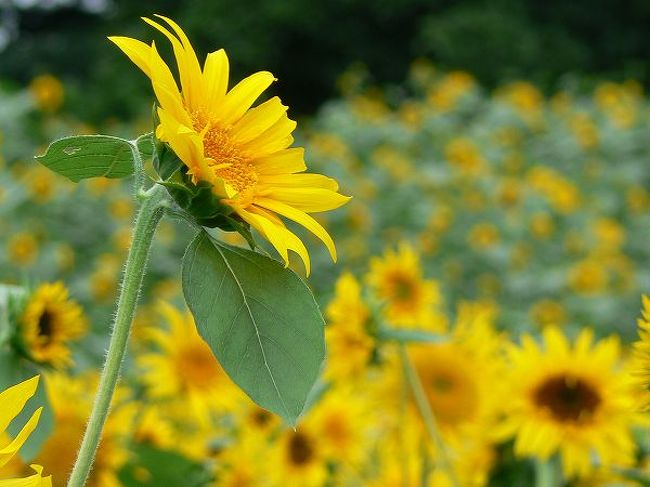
x,y
260,320
7,292
89,156
13,370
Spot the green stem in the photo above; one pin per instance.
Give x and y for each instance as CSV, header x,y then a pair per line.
x,y
427,414
146,222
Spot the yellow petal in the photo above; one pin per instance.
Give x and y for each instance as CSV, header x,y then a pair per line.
x,y
243,95
311,200
268,231
303,219
300,181
215,77
13,400
275,138
257,120
285,161
8,452
137,51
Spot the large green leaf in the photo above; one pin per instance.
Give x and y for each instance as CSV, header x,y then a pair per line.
x,y
260,320
88,156
14,369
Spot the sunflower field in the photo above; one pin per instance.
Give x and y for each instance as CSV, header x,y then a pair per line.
x,y
453,295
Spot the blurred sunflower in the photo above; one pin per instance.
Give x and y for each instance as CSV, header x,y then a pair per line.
x,y
574,401
184,367
641,371
243,153
71,405
49,322
298,458
410,300
12,401
348,343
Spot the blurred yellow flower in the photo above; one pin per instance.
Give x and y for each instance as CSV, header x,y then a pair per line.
x,y
47,91
242,152
298,459
410,300
571,400
182,366
641,371
50,321
22,249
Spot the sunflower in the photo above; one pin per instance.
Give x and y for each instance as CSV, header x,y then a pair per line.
x,y
298,458
410,300
574,401
459,376
243,152
348,343
183,366
49,322
71,405
12,402
642,355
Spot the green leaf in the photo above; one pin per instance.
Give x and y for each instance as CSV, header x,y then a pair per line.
x,y
13,370
151,466
406,335
89,156
260,320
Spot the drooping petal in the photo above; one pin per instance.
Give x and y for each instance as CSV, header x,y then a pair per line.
x,y
311,200
301,180
301,218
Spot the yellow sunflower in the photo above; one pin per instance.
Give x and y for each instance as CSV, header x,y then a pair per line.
x,y
243,152
642,355
348,343
12,402
410,300
49,322
573,401
298,458
71,405
183,367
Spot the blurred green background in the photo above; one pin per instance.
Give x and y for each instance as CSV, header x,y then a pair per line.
x,y
308,43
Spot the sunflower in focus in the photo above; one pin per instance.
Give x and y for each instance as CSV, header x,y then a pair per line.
x,y
183,367
642,355
50,321
410,300
12,401
244,153
573,401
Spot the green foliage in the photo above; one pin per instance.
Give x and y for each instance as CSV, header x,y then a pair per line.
x,y
260,320
88,156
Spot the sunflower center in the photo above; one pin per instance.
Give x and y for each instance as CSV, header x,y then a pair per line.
x,y
568,399
403,287
45,325
230,163
301,450
198,367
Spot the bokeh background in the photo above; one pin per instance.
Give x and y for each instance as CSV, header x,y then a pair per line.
x,y
505,142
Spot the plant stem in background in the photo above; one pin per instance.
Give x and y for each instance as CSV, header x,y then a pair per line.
x,y
427,414
149,216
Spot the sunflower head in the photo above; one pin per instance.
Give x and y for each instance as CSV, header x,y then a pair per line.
x,y
49,322
230,165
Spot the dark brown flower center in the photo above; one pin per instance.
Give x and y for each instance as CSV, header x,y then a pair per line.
x,y
301,450
568,399
45,325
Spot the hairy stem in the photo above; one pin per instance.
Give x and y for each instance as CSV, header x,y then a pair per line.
x,y
149,216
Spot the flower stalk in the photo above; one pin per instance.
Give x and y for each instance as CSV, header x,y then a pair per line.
x,y
427,414
149,215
